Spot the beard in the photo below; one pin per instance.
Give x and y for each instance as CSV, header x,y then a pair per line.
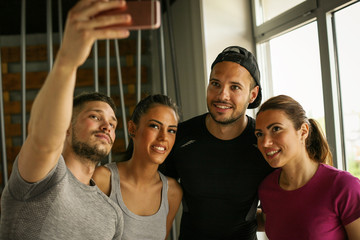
x,y
85,150
226,121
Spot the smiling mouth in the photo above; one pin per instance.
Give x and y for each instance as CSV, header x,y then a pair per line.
x,y
272,153
222,106
159,148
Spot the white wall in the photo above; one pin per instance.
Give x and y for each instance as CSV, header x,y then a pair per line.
x,y
189,51
226,23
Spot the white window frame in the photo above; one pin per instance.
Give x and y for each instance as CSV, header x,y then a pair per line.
x,y
308,11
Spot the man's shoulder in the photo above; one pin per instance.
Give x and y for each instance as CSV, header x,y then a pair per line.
x,y
251,122
190,131
191,125
21,189
248,133
199,119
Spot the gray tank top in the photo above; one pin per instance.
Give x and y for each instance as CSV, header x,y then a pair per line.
x,y
135,226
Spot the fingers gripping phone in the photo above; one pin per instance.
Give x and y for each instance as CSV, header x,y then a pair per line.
x,y
145,14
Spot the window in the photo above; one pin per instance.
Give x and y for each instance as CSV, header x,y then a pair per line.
x,y
315,43
348,49
295,69
268,9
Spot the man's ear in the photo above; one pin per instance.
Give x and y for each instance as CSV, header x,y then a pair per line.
x,y
68,130
253,94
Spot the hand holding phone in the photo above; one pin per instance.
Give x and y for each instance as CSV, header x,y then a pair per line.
x,y
144,14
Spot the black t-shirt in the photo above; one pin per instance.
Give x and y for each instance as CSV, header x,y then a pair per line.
x,y
220,179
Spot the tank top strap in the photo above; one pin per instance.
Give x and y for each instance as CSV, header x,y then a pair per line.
x,y
165,188
115,179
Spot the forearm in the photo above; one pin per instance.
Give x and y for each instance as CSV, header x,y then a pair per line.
x,y
260,217
52,108
353,230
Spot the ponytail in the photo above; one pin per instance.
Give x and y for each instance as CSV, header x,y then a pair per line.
x,y
316,144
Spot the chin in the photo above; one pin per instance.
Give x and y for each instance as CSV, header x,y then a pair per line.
x,y
275,164
103,150
158,160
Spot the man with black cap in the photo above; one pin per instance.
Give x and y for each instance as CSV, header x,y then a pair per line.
x,y
215,154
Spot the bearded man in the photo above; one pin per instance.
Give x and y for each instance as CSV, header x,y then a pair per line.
x,y
50,193
215,154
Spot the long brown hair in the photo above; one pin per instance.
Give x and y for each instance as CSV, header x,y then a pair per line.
x,y
316,144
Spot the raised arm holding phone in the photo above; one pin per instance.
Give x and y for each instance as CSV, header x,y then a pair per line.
x,y
50,194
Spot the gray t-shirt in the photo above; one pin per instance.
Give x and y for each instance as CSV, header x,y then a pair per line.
x,y
57,207
140,227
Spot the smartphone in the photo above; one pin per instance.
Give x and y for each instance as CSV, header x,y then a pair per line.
x,y
145,14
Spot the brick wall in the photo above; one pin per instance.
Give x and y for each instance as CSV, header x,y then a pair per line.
x,y
36,58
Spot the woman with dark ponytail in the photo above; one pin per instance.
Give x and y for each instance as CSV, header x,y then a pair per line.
x,y
305,198
149,200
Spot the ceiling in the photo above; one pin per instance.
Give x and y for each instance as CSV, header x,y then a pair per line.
x,y
10,15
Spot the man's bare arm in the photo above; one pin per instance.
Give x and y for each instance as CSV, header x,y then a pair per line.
x,y
52,108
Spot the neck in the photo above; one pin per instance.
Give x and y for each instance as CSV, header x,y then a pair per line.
x,y
226,131
296,175
81,168
141,173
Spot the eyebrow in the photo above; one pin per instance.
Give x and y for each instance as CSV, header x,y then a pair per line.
x,y
101,111
154,120
235,83
268,127
214,79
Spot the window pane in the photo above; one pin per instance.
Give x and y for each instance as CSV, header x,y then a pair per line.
x,y
268,9
295,69
348,47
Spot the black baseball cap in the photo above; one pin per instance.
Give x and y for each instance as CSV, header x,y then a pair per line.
x,y
246,59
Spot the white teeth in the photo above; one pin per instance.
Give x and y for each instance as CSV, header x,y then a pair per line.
x,y
272,153
222,107
160,148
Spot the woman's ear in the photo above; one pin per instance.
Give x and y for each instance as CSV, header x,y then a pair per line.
x,y
304,130
131,128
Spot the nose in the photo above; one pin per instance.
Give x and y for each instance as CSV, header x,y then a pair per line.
x,y
162,136
106,126
266,140
224,94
